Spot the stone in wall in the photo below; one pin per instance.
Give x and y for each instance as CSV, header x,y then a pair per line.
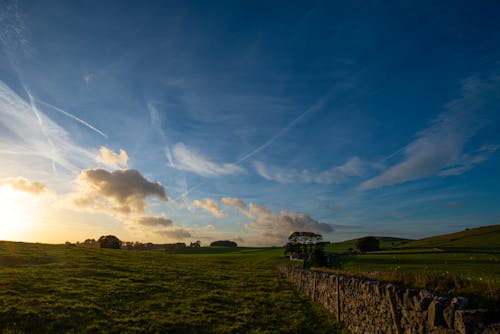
x,y
373,307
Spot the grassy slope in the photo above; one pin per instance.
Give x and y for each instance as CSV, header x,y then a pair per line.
x,y
483,238
385,242
466,262
48,288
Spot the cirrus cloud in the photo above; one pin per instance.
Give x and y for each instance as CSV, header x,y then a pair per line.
x,y
353,167
190,160
439,149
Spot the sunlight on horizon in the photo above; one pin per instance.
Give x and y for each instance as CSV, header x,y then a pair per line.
x,y
19,212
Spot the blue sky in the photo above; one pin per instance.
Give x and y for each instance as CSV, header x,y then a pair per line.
x,y
249,121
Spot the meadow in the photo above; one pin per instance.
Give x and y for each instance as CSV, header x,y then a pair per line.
x,y
67,288
58,288
462,263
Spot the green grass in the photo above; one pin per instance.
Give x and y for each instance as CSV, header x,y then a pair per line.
x,y
53,289
479,239
462,263
343,247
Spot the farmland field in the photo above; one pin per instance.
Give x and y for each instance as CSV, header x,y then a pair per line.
x,y
462,263
55,288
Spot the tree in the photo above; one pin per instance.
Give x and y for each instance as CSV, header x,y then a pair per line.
x,y
224,243
195,244
305,245
109,241
367,244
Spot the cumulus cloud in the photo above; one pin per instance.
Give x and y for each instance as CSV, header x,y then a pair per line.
x,y
353,167
122,191
438,149
188,159
112,159
24,185
235,202
154,221
274,228
209,205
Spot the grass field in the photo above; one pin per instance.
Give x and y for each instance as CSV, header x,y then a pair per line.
x,y
49,288
462,263
482,239
58,288
346,246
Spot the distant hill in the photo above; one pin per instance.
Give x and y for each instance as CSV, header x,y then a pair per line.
x,y
481,238
485,238
385,242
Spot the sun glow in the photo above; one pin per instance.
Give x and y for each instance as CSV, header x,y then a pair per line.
x,y
18,211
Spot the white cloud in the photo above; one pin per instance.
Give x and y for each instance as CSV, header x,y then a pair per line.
x,y
274,228
112,159
22,184
209,205
28,135
235,202
190,160
88,77
122,193
438,150
353,167
469,161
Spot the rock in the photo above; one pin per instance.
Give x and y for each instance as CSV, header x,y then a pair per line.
x,y
470,321
449,315
425,302
435,314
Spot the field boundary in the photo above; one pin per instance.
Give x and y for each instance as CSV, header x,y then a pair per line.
x,y
366,306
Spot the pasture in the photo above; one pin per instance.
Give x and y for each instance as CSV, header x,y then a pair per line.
x,y
463,263
57,288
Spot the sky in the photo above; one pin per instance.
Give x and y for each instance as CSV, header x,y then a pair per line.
x,y
170,121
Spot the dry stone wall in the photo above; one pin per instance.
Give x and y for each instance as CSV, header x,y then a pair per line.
x,y
384,308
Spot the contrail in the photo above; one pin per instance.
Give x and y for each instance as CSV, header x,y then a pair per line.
x,y
284,130
393,154
156,123
187,192
42,127
79,120
280,133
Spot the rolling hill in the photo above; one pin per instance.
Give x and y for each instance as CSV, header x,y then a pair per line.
x,y
481,238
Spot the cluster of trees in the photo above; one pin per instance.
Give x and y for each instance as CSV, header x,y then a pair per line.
x,y
111,241
224,243
367,244
307,246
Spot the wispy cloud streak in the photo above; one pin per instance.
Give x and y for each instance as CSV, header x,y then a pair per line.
x,y
28,132
439,149
156,124
79,120
318,106
338,174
